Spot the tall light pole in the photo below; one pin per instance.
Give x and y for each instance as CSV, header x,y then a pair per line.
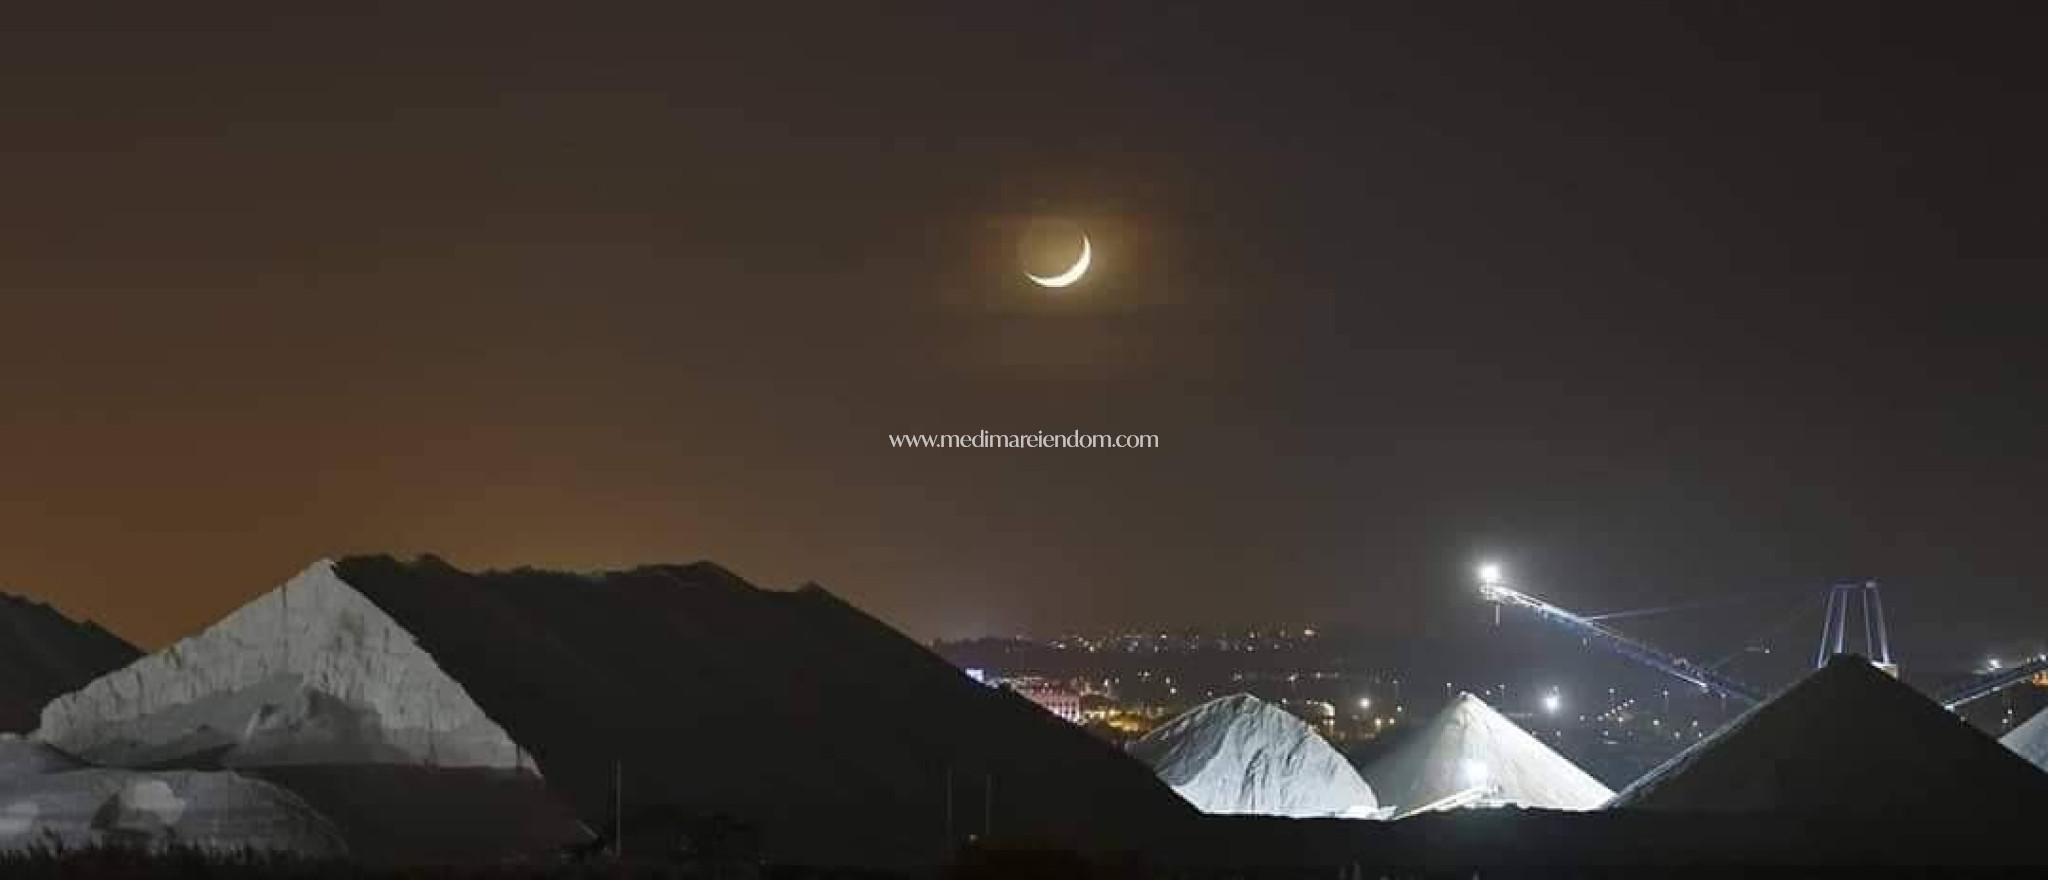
x,y
1490,577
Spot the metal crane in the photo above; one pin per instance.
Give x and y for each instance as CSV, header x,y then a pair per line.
x,y
1999,680
1877,646
1834,640
1834,629
1493,588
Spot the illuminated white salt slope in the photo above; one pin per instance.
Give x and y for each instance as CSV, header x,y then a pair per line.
x,y
1239,754
312,672
212,811
1471,755
2030,740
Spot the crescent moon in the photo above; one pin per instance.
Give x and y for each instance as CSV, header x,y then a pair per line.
x,y
1072,274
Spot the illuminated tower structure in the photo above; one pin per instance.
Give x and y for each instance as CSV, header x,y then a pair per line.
x,y
1834,632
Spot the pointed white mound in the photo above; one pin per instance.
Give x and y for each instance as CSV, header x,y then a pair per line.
x,y
1470,755
1239,754
222,812
311,672
2030,740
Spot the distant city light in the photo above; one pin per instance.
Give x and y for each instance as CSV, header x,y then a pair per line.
x,y
1552,702
1993,663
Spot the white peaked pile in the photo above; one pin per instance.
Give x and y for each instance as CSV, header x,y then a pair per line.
x,y
1470,755
1238,754
310,673
2030,740
49,801
314,690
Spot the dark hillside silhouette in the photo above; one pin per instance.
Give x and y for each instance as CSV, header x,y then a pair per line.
x,y
44,654
832,733
1849,740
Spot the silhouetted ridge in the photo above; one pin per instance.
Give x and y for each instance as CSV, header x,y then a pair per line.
x,y
1847,739
44,654
705,573
792,709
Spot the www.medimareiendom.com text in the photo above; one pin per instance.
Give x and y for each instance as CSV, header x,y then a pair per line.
x,y
986,440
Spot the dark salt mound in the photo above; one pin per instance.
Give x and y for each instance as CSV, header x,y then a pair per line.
x,y
1847,739
44,654
833,734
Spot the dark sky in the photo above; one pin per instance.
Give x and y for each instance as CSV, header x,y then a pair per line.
x,y
1651,303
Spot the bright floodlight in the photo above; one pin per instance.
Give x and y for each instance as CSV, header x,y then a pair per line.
x,y
1489,574
1364,702
1552,703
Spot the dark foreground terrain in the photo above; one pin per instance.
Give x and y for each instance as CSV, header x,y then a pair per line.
x,y
1485,843
1532,842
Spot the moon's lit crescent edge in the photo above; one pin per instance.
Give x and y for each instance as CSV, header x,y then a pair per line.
x,y
1072,274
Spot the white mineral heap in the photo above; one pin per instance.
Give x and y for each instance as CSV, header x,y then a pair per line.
x,y
2030,740
1239,754
1470,755
310,673
223,812
49,800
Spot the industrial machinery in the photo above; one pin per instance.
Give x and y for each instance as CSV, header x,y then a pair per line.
x,y
1493,588
1862,598
1999,679
1834,629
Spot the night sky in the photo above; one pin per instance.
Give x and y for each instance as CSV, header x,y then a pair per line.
x,y
1651,304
